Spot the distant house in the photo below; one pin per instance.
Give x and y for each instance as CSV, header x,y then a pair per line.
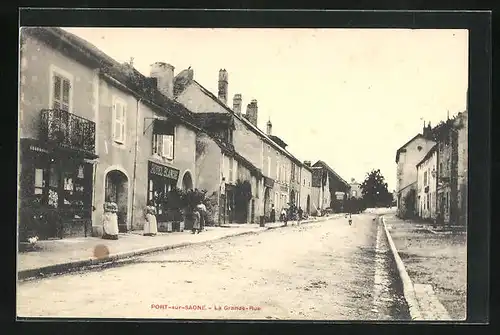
x,y
355,189
427,185
335,184
452,161
407,157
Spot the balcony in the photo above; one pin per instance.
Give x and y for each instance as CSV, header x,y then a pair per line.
x,y
68,130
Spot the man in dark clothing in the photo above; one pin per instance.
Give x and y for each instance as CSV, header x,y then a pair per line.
x,y
300,214
273,214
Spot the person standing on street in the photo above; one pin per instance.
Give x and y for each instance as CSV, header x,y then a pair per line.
x,y
196,222
300,214
203,215
273,214
284,214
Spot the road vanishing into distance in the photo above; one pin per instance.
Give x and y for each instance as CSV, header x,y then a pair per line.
x,y
316,271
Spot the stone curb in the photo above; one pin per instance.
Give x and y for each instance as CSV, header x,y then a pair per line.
x,y
76,265
408,289
66,267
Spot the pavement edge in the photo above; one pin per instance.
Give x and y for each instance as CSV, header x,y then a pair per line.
x,y
62,268
408,288
76,265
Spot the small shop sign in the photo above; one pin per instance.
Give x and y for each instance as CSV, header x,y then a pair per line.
x,y
268,182
163,171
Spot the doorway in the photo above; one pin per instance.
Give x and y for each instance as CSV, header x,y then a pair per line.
x,y
267,205
117,192
187,182
308,204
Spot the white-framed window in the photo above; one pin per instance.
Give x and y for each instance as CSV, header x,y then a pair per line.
x,y
119,120
61,89
163,145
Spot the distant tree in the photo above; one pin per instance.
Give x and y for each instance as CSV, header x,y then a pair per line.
x,y
374,190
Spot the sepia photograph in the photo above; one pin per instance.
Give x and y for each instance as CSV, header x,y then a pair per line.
x,y
243,173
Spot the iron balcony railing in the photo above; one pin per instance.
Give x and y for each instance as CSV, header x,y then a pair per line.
x,y
68,130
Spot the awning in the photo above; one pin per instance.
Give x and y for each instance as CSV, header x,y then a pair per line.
x,y
34,145
163,127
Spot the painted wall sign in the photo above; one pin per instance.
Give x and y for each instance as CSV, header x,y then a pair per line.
x,y
163,171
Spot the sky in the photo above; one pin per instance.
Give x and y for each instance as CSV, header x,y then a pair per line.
x,y
350,97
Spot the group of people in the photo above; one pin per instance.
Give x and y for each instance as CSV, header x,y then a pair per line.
x,y
292,213
151,226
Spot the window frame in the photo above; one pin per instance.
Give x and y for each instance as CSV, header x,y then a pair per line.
x,y
56,71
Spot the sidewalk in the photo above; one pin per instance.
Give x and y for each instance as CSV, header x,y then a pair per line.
x,y
278,224
55,256
59,255
436,264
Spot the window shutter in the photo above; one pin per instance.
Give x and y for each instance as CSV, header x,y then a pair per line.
x,y
170,146
124,120
57,91
66,87
164,145
115,121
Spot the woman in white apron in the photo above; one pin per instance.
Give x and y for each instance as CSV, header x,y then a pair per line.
x,y
150,226
110,221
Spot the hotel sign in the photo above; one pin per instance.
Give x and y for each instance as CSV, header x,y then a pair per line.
x,y
163,171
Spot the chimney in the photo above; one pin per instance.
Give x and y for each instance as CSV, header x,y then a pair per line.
x,y
237,104
269,128
164,74
252,111
307,163
223,86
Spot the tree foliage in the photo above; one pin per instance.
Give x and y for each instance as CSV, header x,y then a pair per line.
x,y
374,190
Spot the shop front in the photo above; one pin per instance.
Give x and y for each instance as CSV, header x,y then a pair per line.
x,y
56,187
163,192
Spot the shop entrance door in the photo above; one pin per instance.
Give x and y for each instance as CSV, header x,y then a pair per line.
x,y
117,192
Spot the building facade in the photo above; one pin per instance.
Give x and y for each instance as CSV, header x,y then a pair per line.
x,y
58,113
320,191
355,189
427,185
306,188
462,125
338,188
407,157
100,131
227,165
275,173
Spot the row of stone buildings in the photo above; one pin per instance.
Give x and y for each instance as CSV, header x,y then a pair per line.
x,y
432,173
94,130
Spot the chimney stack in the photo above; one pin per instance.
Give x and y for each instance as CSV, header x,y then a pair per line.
x,y
252,111
237,104
223,86
164,74
269,128
307,163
